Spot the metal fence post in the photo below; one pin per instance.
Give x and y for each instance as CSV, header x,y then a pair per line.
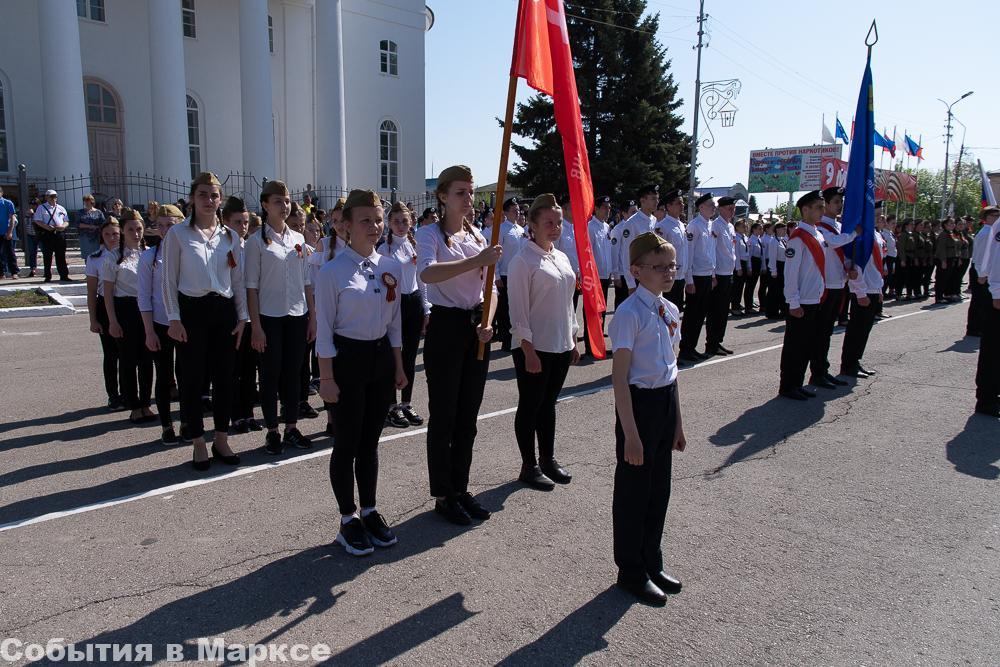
x,y
22,195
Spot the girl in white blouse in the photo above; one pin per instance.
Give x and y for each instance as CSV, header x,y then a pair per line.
x,y
282,316
110,233
361,366
206,305
540,286
452,258
120,275
402,246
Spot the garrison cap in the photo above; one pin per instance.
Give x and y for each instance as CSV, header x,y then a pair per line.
x,y
458,172
169,211
643,243
361,198
547,200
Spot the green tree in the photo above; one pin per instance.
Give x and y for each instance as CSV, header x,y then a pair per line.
x,y
753,204
628,103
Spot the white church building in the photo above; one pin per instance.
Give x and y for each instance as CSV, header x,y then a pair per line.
x,y
324,92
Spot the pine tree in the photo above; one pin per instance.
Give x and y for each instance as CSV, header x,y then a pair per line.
x,y
753,204
628,103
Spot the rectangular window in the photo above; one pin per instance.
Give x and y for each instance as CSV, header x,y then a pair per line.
x,y
90,9
270,34
4,160
81,8
187,18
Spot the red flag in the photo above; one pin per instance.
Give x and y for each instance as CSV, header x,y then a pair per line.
x,y
542,56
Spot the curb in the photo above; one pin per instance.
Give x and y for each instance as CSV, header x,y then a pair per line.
x,y
61,307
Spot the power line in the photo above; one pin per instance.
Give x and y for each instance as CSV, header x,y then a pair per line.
x,y
619,11
767,81
610,25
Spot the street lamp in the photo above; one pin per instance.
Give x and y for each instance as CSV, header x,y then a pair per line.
x,y
947,148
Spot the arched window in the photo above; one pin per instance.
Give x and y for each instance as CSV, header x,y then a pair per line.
x,y
388,152
194,136
388,63
101,105
4,151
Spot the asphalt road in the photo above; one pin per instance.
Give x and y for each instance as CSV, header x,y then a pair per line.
x,y
859,528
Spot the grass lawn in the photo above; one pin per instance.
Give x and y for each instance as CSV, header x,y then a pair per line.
x,y
23,298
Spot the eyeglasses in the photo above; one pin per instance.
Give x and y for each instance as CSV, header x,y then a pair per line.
x,y
662,268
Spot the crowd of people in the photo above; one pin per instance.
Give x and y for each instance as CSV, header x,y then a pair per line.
x,y
227,309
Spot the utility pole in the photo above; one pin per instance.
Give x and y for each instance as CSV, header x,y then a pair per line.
x,y
947,148
697,109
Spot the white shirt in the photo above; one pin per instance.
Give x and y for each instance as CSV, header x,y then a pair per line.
x,y
723,234
125,275
600,242
979,245
639,223
776,253
836,275
639,326
511,238
870,280
196,266
567,244
890,242
701,249
151,285
403,252
464,291
55,219
324,247
804,284
540,290
672,230
92,266
277,270
615,235
756,246
991,262
352,300
742,249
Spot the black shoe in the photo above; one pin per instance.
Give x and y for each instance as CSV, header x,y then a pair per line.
x,y
328,431
230,460
666,583
169,438
253,425
240,426
293,438
689,357
821,382
701,356
354,538
412,417
206,405
396,418
378,530
472,507
556,472
974,334
835,380
115,404
307,411
273,444
793,394
724,350
841,323
862,369
535,478
201,466
453,511
714,351
645,590
805,392
852,373
312,391
989,410
186,435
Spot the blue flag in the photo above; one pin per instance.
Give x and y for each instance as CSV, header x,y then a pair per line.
x,y
840,133
859,197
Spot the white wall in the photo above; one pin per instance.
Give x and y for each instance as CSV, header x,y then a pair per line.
x,y
22,69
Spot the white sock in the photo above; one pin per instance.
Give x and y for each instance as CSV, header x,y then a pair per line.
x,y
346,518
365,511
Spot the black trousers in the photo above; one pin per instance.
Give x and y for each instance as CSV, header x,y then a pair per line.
x,y
718,312
605,285
925,275
501,319
455,383
208,355
799,342
858,329
829,312
739,282
981,300
943,278
364,372
536,404
54,243
8,259
695,310
641,493
959,266
412,324
890,274
621,291
676,294
281,367
135,361
163,360
750,284
776,304
765,287
988,369
244,379
109,349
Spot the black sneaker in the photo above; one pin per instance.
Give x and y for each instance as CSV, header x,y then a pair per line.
x,y
412,417
273,444
453,511
186,435
354,538
293,438
472,506
307,411
378,530
240,426
253,425
169,438
397,418
115,404
556,472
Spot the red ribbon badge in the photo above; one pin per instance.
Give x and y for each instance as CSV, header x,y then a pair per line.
x,y
390,283
671,325
231,260
298,249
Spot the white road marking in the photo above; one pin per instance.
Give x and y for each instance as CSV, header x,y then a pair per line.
x,y
240,472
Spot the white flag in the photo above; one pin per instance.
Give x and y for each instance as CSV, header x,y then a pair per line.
x,y
827,137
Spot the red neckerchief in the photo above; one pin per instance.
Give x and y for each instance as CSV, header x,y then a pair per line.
x,y
816,250
840,251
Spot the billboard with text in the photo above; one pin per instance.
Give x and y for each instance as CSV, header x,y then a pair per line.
x,y
889,185
789,169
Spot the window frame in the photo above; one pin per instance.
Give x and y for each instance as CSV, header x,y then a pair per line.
x,y
188,11
5,126
88,10
388,62
270,34
104,92
388,162
199,128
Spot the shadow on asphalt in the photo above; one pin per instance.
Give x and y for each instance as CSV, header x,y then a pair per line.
x,y
578,635
765,426
966,345
120,423
55,420
976,450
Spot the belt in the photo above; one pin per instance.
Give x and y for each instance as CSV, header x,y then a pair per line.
x,y
474,315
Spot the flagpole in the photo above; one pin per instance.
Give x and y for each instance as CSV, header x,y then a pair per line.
x,y
916,177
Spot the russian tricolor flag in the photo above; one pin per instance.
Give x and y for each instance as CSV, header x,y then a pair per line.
x,y
988,199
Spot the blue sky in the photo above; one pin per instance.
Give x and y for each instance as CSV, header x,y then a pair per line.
x,y
796,62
